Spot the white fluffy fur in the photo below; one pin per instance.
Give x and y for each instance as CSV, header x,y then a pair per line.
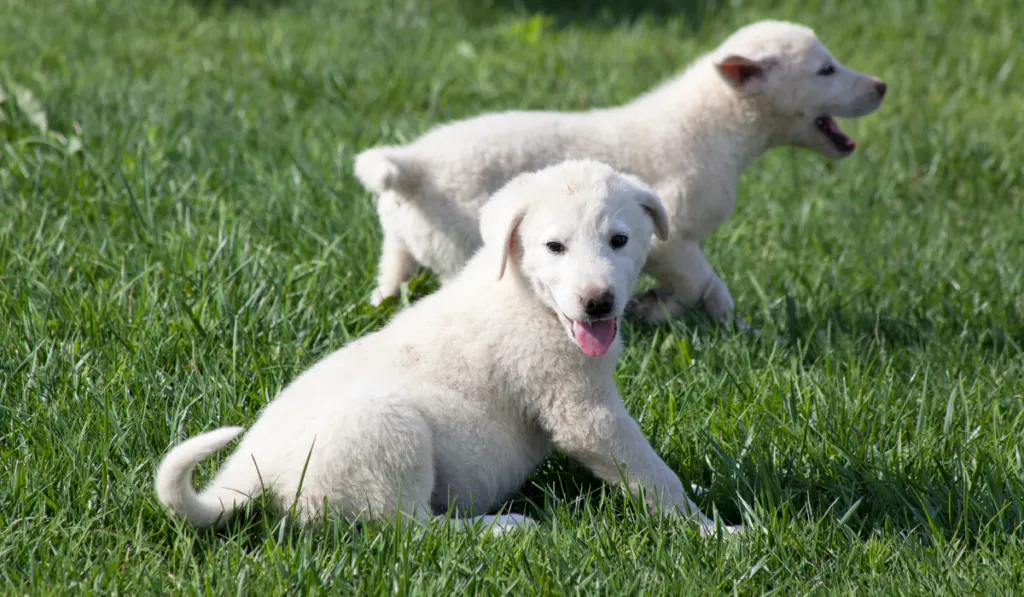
x,y
462,395
690,139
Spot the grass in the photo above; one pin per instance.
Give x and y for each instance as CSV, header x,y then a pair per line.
x,y
181,235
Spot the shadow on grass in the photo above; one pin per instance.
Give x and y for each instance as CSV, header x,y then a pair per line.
x,y
604,12
927,503
814,335
930,500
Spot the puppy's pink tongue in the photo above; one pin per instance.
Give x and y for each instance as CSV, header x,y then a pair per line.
x,y
594,337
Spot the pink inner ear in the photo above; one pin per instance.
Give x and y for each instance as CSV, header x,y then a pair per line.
x,y
739,72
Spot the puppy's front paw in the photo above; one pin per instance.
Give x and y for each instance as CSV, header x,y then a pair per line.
x,y
733,529
503,523
646,307
711,530
379,295
717,301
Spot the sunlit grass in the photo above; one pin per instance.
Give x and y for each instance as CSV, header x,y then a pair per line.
x,y
180,235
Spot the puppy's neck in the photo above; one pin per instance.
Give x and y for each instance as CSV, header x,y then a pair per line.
x,y
698,109
520,289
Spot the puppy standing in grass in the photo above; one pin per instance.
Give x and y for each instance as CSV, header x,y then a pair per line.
x,y
769,84
461,395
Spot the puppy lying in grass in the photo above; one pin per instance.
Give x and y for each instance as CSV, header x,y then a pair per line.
x,y
459,398
769,84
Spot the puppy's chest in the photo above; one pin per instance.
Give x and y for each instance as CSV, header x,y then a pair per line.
x,y
514,369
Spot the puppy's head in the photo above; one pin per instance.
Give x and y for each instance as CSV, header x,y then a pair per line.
x,y
792,78
577,234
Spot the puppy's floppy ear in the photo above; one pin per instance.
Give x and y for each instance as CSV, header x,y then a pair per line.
x,y
651,203
740,71
499,219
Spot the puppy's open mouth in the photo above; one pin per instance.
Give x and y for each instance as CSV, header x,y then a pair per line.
x,y
840,140
595,337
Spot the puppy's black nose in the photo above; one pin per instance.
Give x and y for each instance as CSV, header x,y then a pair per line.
x,y
880,88
600,305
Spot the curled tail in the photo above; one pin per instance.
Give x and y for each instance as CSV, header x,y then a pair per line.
x,y
234,484
383,169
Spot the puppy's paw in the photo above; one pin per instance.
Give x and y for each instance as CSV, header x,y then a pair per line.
x,y
503,523
711,530
379,295
717,301
647,308
733,529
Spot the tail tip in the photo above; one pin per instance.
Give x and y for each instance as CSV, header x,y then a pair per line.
x,y
173,476
211,441
376,171
229,433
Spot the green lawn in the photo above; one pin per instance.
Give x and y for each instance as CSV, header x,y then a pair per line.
x,y
183,235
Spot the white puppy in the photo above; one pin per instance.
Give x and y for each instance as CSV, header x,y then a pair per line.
x,y
769,84
463,394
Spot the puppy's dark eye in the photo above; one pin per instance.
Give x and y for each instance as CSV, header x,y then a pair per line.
x,y
556,247
619,241
827,70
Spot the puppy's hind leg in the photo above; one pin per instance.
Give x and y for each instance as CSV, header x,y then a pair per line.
x,y
396,266
373,459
